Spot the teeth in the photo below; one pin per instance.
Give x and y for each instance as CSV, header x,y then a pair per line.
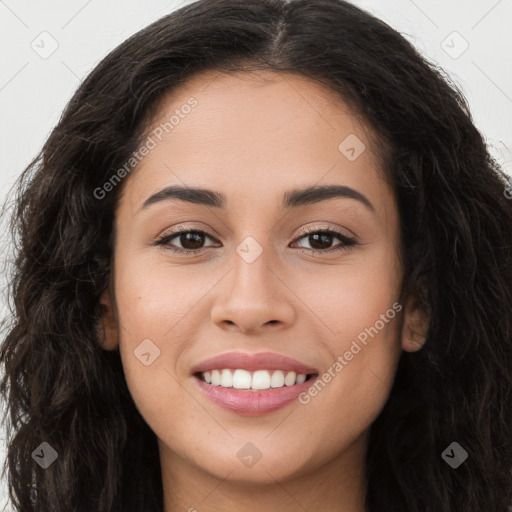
x,y
260,379
226,379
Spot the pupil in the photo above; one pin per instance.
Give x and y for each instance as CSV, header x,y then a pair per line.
x,y
192,237
324,237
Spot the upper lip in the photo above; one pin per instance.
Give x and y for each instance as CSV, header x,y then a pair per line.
x,y
252,362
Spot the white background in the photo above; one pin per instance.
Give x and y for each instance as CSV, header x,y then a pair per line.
x,y
34,90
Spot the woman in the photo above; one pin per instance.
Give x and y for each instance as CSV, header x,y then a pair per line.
x,y
264,264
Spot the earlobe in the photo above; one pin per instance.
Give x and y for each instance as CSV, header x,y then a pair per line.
x,y
415,326
107,328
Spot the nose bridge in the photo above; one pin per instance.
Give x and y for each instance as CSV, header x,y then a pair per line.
x,y
252,264
252,298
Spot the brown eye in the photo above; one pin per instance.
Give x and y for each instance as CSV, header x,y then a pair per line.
x,y
321,241
190,241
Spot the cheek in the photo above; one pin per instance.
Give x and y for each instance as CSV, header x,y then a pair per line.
x,y
360,317
155,298
351,392
148,310
150,346
351,296
158,314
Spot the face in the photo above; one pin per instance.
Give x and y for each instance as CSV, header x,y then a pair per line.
x,y
314,276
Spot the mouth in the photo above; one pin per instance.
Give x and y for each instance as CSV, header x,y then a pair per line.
x,y
252,384
246,400
259,380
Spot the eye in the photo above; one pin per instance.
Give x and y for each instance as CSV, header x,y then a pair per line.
x,y
321,238
192,240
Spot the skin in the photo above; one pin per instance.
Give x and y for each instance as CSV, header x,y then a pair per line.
x,y
253,136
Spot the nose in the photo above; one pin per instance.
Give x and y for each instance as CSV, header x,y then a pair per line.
x,y
253,298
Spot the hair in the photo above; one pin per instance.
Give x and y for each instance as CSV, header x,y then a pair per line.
x,y
63,388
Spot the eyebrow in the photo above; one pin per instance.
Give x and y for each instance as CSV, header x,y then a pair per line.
x,y
291,199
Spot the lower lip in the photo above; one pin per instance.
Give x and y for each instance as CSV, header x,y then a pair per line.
x,y
253,403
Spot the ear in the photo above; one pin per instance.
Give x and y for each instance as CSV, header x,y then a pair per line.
x,y
107,329
415,326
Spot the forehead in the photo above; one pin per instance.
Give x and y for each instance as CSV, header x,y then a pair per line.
x,y
256,107
250,133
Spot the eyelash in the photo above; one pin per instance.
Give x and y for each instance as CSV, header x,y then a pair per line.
x,y
347,241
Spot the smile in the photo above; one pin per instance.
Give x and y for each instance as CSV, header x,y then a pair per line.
x,y
249,401
256,380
